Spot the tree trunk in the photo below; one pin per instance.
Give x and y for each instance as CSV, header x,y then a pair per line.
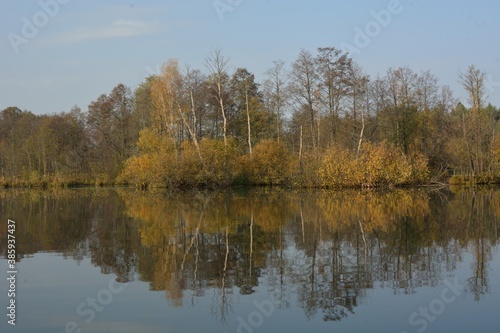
x,y
248,124
361,133
300,146
224,119
192,132
313,135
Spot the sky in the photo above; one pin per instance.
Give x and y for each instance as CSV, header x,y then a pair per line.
x,y
55,54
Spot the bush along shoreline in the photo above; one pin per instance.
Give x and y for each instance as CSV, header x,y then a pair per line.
x,y
160,165
273,164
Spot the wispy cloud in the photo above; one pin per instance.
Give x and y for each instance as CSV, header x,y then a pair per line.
x,y
118,29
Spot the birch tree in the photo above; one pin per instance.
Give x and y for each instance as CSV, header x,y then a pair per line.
x,y
218,65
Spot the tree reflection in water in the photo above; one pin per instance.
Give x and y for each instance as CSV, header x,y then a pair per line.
x,y
325,249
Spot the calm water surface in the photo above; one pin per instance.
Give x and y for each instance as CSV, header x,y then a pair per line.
x,y
115,260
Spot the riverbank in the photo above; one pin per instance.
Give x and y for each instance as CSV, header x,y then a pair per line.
x,y
53,182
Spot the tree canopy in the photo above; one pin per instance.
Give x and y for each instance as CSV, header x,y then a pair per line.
x,y
321,121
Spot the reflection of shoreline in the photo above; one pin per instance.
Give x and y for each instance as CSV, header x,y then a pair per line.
x,y
408,248
325,248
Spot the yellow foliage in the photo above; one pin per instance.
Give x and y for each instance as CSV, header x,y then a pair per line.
x,y
270,163
161,164
149,141
378,164
219,160
383,164
155,164
379,211
337,168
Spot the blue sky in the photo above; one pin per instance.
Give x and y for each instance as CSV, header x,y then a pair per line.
x,y
81,49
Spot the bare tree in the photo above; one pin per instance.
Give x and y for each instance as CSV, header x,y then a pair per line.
x,y
335,70
360,103
304,85
189,85
473,83
244,92
275,91
478,125
217,65
427,91
400,107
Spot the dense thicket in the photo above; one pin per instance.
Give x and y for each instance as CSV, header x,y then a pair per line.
x,y
321,122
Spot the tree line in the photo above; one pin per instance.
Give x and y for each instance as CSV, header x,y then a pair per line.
x,y
320,122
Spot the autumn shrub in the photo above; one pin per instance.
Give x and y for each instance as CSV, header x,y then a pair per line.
x,y
187,167
161,164
215,163
383,164
496,157
270,163
457,180
305,169
420,171
338,168
140,170
156,165
242,171
377,164
219,162
485,178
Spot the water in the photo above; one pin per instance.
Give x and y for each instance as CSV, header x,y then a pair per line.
x,y
262,260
